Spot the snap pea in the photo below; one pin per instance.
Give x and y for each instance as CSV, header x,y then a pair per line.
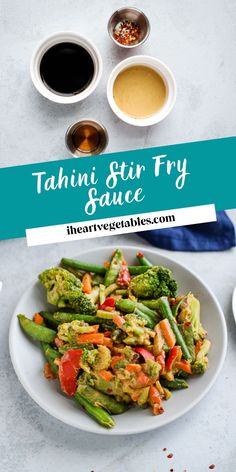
x,y
114,268
152,304
175,384
128,306
102,400
122,291
97,413
36,331
165,310
143,261
149,323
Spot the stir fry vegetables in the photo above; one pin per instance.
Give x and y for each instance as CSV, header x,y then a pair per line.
x,y
119,335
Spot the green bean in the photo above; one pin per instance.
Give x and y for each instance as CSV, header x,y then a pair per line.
x,y
166,312
49,318
175,384
187,333
97,269
63,317
114,268
102,400
50,356
143,261
176,307
36,331
85,266
97,413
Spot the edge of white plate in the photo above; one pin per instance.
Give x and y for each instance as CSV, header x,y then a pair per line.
x,y
113,432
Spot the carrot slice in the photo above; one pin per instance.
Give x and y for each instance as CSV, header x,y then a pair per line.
x,y
198,346
184,365
94,338
167,332
133,368
87,283
105,375
107,342
118,320
154,395
38,318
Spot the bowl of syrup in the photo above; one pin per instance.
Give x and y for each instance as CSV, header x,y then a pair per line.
x,y
86,138
66,67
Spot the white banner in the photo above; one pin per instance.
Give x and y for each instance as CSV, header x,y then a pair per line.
x,y
120,225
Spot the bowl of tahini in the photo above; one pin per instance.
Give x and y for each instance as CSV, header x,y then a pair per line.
x,y
141,90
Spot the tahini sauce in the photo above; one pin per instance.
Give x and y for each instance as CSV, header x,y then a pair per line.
x,y
139,91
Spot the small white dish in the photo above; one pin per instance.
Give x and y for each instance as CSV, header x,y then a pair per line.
x,y
169,81
28,360
47,43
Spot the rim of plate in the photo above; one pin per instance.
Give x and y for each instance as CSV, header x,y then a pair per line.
x,y
139,430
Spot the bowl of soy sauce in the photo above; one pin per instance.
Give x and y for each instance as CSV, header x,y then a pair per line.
x,y
66,67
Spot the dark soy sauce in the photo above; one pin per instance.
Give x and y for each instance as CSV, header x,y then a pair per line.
x,y
67,68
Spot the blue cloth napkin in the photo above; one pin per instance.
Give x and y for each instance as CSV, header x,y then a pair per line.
x,y
216,236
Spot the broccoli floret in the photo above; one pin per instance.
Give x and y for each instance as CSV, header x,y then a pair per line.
x,y
201,363
64,290
154,283
199,367
191,313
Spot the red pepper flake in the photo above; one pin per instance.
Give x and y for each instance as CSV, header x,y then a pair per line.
x,y
126,32
164,449
170,456
212,466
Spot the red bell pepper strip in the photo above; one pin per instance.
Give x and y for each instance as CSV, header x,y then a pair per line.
x,y
174,355
68,371
144,353
109,302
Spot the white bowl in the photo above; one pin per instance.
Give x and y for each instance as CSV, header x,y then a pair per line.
x,y
28,360
64,36
169,82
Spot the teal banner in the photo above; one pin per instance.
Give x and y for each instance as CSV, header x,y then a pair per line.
x,y
119,184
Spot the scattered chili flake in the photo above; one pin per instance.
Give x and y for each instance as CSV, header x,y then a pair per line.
x,y
212,466
170,456
164,449
126,32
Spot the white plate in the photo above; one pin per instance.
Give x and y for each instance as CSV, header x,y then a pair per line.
x,y
28,360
